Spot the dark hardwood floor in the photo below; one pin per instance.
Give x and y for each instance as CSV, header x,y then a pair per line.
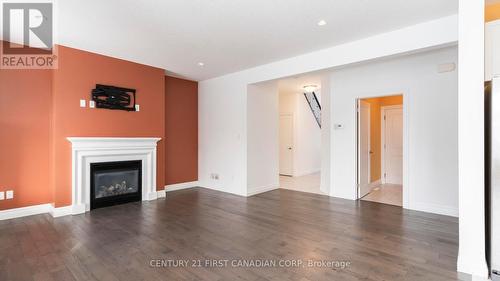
x,y
136,241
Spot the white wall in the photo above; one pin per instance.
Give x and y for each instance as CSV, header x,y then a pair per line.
x,y
222,112
287,102
222,135
430,101
309,139
223,102
263,137
307,134
471,252
325,134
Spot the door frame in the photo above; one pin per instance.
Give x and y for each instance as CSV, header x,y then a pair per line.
x,y
358,141
293,143
406,137
383,110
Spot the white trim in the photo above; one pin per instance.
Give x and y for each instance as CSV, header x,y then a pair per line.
x,y
261,190
180,186
161,193
294,141
61,211
220,189
24,211
107,142
383,110
435,208
358,141
89,150
45,209
406,149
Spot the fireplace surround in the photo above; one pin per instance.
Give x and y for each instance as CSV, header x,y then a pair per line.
x,y
86,151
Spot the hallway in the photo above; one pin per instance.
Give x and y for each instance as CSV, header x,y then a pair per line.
x,y
308,183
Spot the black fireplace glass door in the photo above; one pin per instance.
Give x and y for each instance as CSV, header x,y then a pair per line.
x,y
112,183
115,183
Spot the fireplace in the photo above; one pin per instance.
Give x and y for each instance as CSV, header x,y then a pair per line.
x,y
113,183
86,151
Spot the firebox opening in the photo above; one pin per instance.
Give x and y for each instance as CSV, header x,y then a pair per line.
x,y
113,183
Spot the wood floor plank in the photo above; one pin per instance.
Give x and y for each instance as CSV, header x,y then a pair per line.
x,y
381,242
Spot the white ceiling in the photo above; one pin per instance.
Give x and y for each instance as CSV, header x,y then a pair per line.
x,y
229,35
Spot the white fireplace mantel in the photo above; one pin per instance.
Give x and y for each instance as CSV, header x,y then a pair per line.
x,y
87,150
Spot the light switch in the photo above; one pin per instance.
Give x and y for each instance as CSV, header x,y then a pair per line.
x,y
82,103
2,195
10,194
92,104
137,107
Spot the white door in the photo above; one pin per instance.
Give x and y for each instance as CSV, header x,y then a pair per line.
x,y
393,144
363,148
286,145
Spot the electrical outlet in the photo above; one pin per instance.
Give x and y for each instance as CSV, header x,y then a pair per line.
x,y
10,194
91,104
137,107
83,103
2,195
214,176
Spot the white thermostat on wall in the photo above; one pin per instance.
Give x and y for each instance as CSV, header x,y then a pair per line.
x,y
446,67
339,126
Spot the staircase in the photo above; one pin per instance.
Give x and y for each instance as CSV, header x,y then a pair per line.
x,y
313,102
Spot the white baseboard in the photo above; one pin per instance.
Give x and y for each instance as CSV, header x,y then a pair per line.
x,y
54,212
219,188
179,186
474,267
25,211
261,190
36,210
435,209
61,211
161,194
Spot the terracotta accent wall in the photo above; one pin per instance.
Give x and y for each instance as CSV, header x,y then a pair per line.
x,y
492,12
25,136
76,76
376,132
39,109
181,130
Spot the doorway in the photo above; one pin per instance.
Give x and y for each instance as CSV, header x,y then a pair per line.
x,y
300,141
380,149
